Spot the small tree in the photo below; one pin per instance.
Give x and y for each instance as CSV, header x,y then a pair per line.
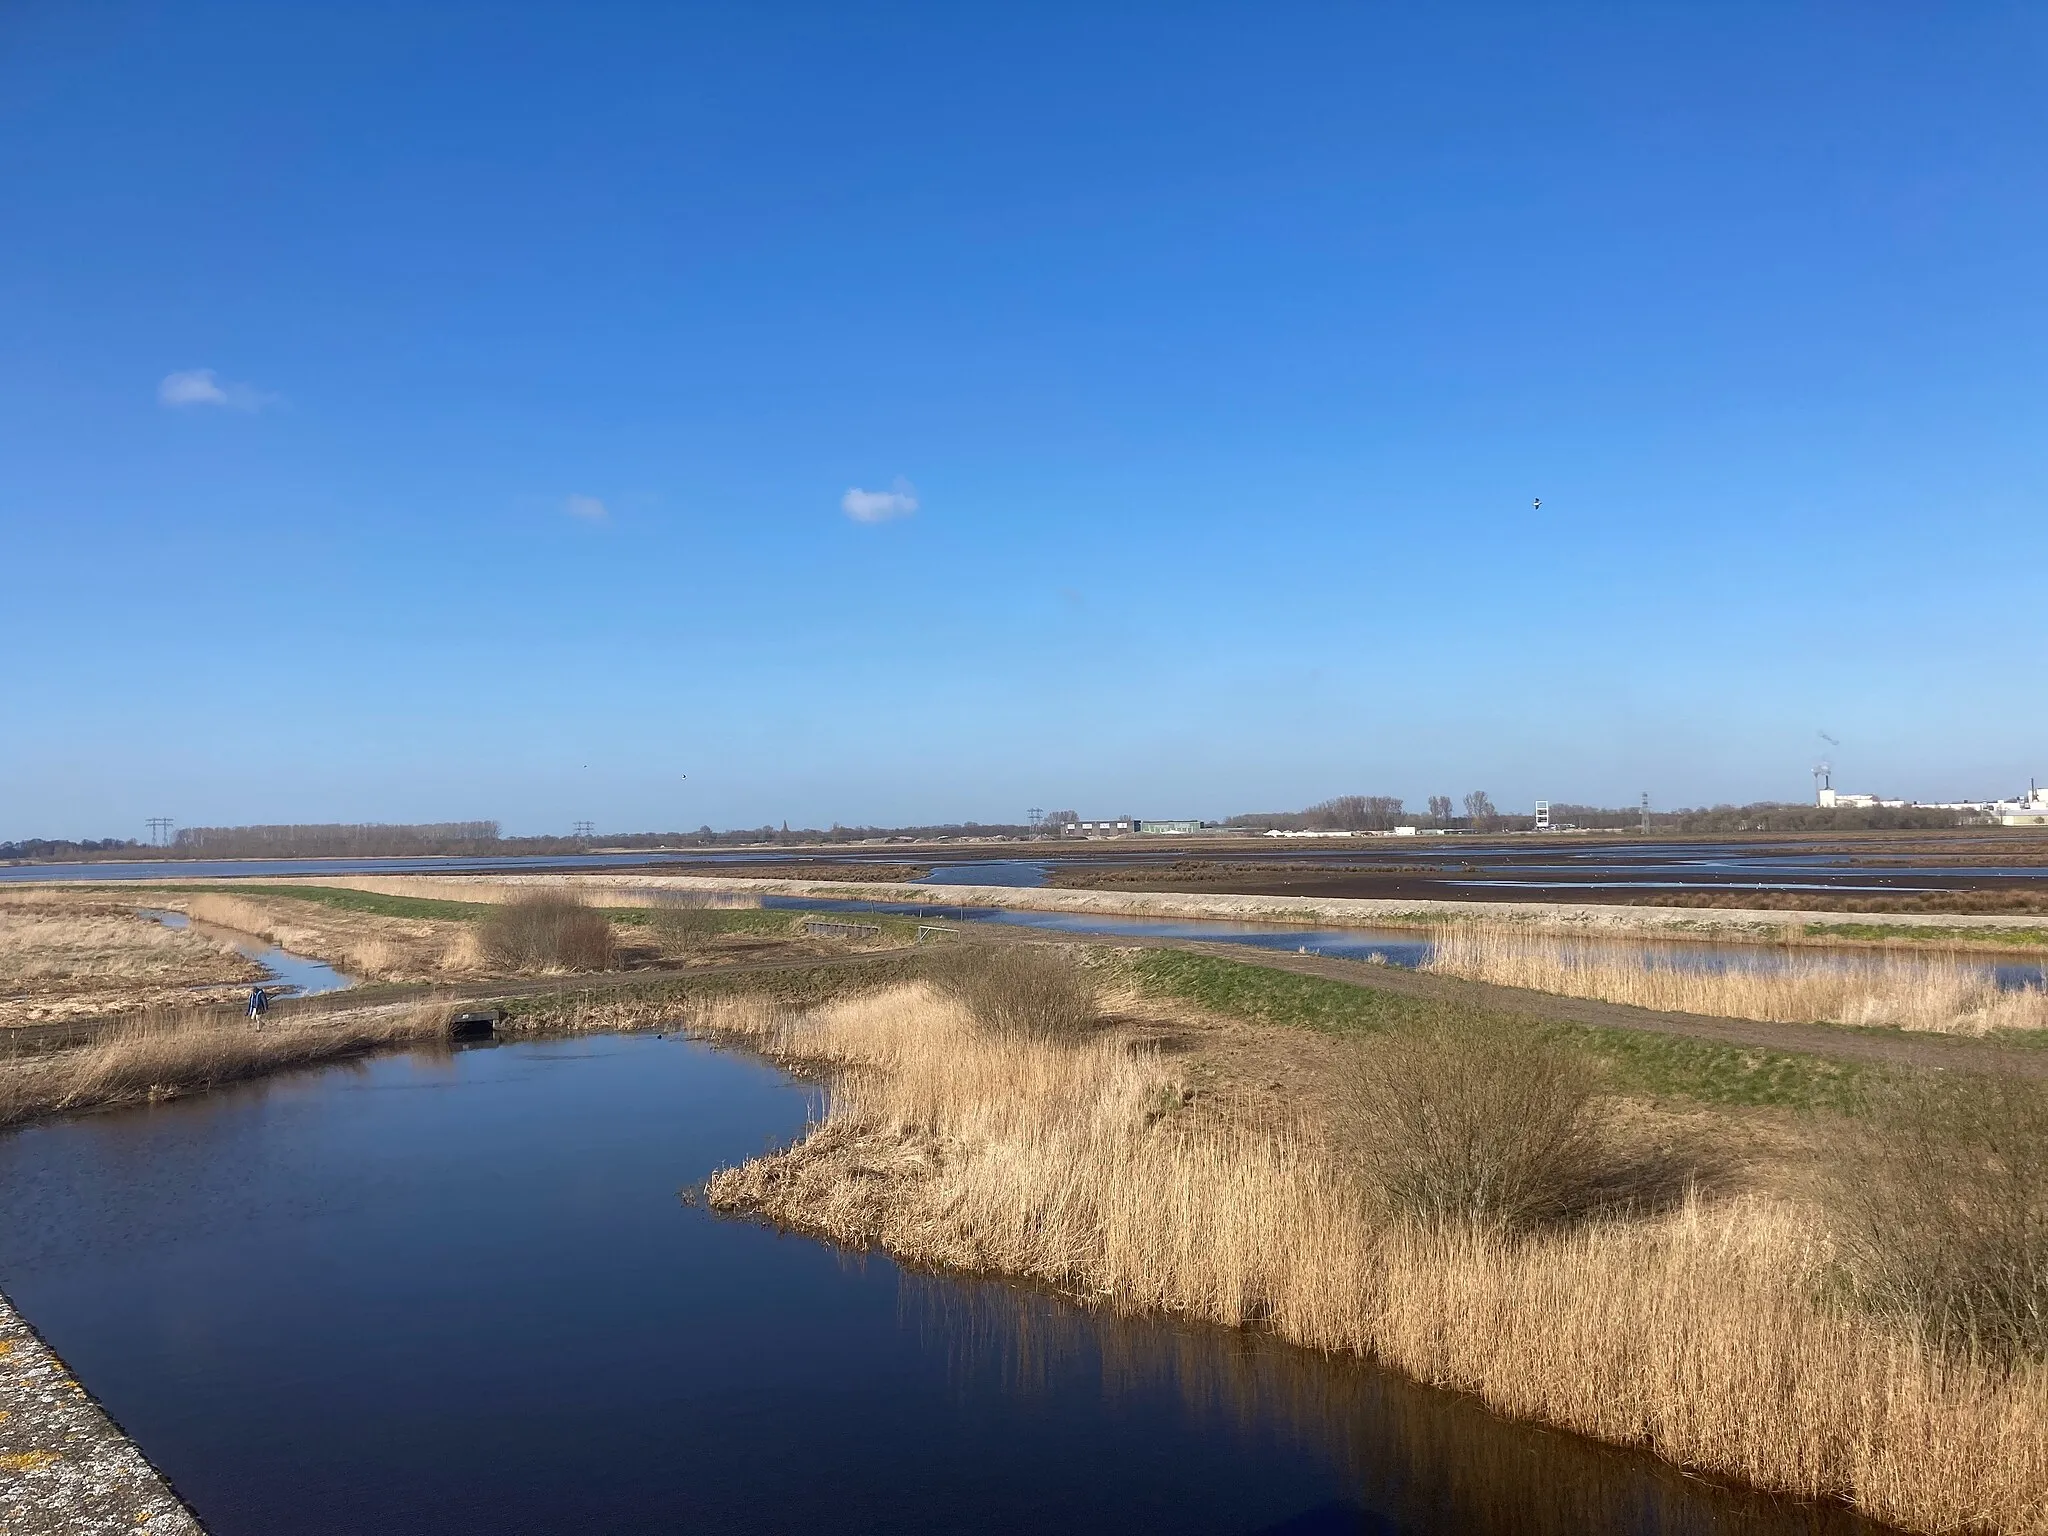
x,y
1440,810
1479,811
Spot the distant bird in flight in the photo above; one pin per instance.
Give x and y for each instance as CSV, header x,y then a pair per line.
x,y
1539,503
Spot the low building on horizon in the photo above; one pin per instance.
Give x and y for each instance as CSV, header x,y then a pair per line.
x,y
1130,826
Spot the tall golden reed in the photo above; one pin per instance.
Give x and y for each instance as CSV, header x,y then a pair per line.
x,y
1699,1334
161,1055
1927,992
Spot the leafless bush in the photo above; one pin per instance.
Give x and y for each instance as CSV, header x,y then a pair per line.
x,y
1940,1196
1483,1123
683,922
550,931
1025,990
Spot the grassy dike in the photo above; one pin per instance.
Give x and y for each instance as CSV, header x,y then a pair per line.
x,y
1632,1062
1722,1323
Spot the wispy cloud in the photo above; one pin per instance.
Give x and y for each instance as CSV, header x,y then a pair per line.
x,y
587,509
900,500
202,386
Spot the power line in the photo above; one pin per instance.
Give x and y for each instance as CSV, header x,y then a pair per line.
x,y
586,830
160,831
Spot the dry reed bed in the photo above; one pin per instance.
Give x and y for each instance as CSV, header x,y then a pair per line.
x,y
1921,992
165,1055
1700,1335
638,889
63,960
362,946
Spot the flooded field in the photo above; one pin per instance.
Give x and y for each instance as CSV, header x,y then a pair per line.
x,y
1986,865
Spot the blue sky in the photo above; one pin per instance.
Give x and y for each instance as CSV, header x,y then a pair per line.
x,y
424,411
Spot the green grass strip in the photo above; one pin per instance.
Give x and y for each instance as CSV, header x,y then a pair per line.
x,y
338,897
1635,1062
2017,937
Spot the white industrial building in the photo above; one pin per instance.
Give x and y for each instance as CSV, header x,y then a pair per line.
x,y
2027,810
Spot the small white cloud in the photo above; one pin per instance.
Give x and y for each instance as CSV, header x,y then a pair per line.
x,y
900,500
196,386
587,509
202,386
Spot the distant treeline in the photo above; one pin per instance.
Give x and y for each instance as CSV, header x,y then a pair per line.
x,y
1346,813
746,836
459,839
367,840
1769,816
58,849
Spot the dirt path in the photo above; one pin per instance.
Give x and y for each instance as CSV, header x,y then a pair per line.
x,y
1837,1041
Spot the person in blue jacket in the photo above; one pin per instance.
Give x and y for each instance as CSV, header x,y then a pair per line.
x,y
259,1002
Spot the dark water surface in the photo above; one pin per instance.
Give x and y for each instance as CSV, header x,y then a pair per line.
x,y
459,1294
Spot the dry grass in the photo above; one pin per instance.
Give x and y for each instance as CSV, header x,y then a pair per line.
x,y
1940,1198
358,944
1702,1333
1030,991
639,889
75,958
163,1055
547,932
1926,992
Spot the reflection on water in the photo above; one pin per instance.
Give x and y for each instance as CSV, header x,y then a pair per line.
x,y
1412,1458
459,1295
298,975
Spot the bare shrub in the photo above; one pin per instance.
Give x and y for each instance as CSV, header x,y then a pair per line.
x,y
550,931
1025,990
1486,1124
1940,1197
685,922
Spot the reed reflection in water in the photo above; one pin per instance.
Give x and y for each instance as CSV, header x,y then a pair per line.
x,y
1419,1459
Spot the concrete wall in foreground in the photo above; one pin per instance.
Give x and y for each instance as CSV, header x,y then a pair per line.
x,y
65,1467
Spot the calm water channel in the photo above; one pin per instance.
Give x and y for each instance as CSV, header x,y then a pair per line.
x,y
460,1294
298,975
